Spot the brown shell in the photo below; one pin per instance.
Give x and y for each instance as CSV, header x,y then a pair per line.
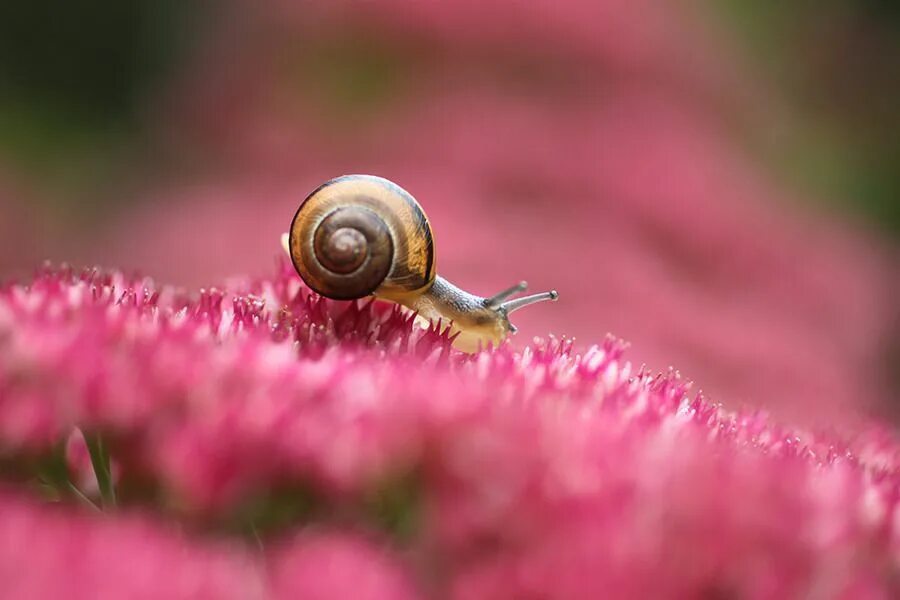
x,y
358,235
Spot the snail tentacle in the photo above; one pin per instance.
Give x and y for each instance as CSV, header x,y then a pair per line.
x,y
514,305
498,298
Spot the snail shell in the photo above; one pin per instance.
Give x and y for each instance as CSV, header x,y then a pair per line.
x,y
359,235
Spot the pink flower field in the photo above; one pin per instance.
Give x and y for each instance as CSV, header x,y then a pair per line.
x,y
708,412
258,441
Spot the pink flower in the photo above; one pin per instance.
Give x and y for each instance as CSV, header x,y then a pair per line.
x,y
322,567
47,553
338,448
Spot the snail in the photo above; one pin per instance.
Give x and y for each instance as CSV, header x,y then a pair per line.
x,y
361,235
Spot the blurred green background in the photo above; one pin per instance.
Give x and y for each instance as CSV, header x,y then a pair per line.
x,y
75,78
837,63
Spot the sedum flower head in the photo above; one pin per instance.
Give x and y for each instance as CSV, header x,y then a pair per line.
x,y
258,441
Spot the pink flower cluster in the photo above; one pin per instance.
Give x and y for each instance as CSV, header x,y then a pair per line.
x,y
266,442
46,553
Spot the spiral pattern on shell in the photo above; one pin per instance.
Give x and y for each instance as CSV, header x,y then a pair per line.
x,y
358,235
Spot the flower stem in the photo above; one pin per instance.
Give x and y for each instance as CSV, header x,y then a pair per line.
x,y
100,462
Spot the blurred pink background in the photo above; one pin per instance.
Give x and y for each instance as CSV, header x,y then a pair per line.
x,y
636,156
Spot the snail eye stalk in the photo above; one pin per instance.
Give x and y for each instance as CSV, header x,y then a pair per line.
x,y
514,305
498,298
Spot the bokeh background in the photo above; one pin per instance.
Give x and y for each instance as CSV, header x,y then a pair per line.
x,y
716,182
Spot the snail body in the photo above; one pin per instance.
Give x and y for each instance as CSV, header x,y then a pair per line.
x,y
361,235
